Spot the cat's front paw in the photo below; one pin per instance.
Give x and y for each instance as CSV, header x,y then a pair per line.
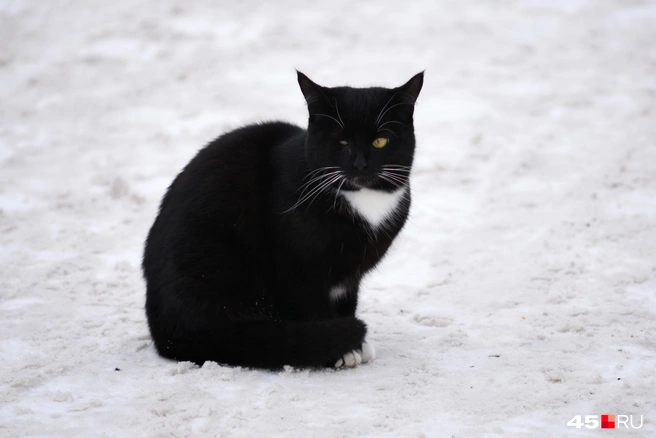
x,y
364,354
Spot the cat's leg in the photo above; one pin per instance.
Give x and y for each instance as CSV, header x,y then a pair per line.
x,y
338,302
344,297
345,304
344,300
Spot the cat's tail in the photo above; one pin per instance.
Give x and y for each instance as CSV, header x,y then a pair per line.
x,y
268,344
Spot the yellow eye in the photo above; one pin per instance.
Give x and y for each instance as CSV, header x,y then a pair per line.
x,y
380,143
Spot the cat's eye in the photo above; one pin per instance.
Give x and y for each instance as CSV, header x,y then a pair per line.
x,y
344,143
380,142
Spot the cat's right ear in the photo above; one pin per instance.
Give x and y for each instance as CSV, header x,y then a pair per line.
x,y
313,93
412,88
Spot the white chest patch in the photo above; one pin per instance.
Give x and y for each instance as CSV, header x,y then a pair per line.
x,y
337,292
374,205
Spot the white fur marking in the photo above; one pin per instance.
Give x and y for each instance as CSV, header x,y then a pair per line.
x,y
356,357
374,205
350,359
337,292
368,352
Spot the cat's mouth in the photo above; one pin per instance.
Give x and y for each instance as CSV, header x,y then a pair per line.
x,y
363,181
386,181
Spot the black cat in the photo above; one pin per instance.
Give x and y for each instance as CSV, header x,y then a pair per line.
x,y
256,256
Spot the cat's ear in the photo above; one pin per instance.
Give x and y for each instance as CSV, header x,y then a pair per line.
x,y
314,94
411,89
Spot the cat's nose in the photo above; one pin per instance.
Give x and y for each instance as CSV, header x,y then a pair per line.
x,y
360,161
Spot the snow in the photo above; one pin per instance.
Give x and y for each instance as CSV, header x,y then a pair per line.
x,y
521,293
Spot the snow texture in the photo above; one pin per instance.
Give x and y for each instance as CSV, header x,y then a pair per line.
x,y
522,291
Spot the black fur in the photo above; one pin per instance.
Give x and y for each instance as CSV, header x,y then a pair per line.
x,y
239,272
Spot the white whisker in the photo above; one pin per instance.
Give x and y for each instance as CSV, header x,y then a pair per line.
x,y
395,184
337,192
397,172
385,129
307,185
397,178
319,178
396,167
324,187
394,106
394,174
337,109
320,169
330,117
313,194
381,111
323,182
393,121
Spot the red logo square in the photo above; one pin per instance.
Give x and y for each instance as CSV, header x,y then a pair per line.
x,y
608,421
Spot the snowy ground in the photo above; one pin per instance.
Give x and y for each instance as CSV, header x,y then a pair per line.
x,y
522,292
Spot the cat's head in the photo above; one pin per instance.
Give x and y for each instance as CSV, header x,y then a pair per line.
x,y
364,137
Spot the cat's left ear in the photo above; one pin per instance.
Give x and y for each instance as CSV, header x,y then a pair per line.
x,y
411,89
314,94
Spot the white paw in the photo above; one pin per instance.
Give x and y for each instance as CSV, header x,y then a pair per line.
x,y
368,352
356,357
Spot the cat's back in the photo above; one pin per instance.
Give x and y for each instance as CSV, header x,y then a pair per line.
x,y
223,189
237,165
238,155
